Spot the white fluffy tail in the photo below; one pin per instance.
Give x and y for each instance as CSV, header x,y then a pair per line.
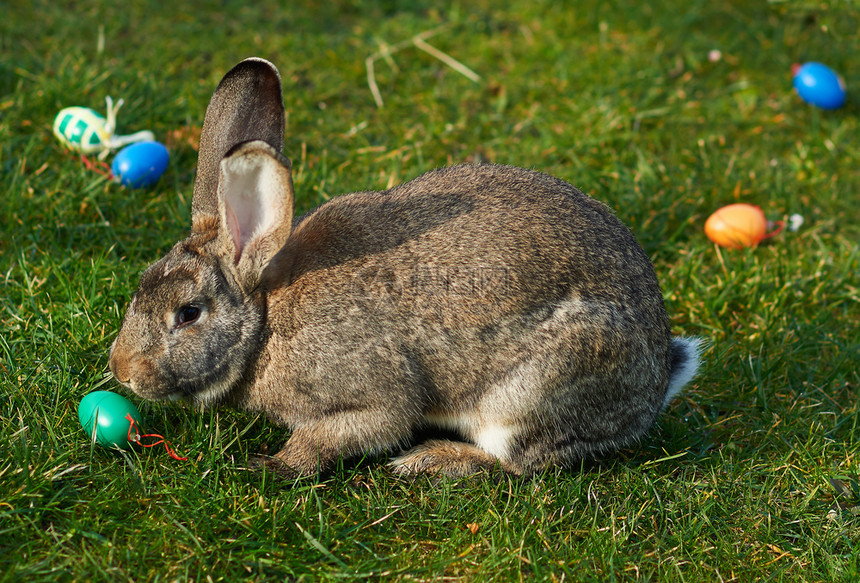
x,y
686,354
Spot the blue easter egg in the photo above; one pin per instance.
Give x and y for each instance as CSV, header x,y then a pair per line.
x,y
140,164
819,85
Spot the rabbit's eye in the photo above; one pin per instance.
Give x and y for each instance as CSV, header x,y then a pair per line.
x,y
187,315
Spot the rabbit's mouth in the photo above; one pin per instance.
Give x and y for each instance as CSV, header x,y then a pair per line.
x,y
137,376
145,378
172,396
148,394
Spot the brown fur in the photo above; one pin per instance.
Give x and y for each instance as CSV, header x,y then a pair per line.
x,y
498,302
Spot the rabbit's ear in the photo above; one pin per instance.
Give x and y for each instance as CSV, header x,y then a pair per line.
x,y
247,105
255,207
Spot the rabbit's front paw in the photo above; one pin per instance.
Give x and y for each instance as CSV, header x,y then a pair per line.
x,y
276,466
272,464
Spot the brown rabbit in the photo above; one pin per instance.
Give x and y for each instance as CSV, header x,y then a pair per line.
x,y
497,302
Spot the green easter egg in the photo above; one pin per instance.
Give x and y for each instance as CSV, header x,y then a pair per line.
x,y
110,409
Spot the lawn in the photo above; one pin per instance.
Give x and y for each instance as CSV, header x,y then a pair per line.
x,y
753,474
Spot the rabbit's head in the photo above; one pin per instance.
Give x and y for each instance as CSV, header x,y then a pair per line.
x,y
195,321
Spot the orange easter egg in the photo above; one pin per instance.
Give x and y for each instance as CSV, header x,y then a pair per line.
x,y
736,226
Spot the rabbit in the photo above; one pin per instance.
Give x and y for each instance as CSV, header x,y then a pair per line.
x,y
496,303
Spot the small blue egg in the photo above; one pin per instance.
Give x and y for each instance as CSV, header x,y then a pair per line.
x,y
140,164
819,85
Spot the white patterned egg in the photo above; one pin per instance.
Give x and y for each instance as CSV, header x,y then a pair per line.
x,y
82,129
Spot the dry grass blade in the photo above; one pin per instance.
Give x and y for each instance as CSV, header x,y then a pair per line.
x,y
418,41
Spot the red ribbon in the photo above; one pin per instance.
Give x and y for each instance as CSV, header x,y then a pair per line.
x,y
98,167
136,439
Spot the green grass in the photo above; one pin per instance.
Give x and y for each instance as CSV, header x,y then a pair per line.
x,y
754,474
